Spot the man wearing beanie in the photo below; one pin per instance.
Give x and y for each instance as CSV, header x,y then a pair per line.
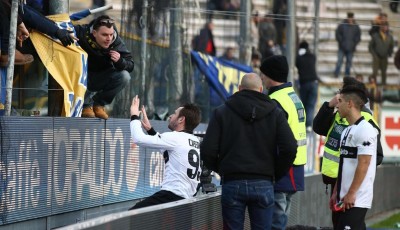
x,y
274,72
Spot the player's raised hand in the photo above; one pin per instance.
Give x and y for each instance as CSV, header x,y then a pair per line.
x,y
145,121
135,106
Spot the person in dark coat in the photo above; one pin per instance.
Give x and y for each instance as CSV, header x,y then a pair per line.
x,y
348,35
22,34
381,48
308,78
204,42
240,144
396,59
267,36
280,12
109,64
393,5
109,60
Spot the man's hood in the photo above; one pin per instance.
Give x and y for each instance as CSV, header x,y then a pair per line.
x,y
251,105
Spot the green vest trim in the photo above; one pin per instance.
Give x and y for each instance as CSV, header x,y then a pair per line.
x,y
330,161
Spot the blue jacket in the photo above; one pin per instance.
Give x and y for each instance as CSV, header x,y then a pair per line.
x,y
34,19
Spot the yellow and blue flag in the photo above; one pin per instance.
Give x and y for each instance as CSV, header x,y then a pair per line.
x,y
223,76
67,65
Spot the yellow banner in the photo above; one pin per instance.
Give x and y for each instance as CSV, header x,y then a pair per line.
x,y
67,65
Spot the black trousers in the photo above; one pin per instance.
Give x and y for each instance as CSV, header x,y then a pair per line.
x,y
160,197
331,181
353,218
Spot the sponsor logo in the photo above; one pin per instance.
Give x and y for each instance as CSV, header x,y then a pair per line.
x,y
366,143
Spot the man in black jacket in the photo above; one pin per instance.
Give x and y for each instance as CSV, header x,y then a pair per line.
x,y
109,60
240,144
306,65
109,64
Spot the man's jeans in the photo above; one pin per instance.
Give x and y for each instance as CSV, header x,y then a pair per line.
x,y
281,210
309,95
256,195
349,59
106,84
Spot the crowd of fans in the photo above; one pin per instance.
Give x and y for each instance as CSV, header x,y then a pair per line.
x,y
268,36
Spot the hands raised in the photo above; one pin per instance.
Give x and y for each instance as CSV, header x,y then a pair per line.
x,y
145,121
135,106
135,111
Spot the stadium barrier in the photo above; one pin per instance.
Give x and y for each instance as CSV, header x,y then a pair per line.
x,y
57,171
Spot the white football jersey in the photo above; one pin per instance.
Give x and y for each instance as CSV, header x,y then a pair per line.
x,y
181,154
358,139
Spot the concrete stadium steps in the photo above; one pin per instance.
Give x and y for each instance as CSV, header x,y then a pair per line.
x,y
78,5
226,31
342,7
332,13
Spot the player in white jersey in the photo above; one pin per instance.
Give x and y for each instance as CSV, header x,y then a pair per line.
x,y
181,152
353,192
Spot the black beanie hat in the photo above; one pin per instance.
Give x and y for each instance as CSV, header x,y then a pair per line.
x,y
275,67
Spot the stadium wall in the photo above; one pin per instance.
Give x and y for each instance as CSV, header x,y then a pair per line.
x,y
58,171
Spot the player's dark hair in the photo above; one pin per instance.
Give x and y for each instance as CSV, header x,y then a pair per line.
x,y
356,93
192,116
353,81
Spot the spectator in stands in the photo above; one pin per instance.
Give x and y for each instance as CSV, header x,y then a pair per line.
x,y
275,71
109,61
381,47
229,55
223,5
254,30
280,12
109,64
393,5
22,34
348,35
378,20
396,59
268,36
308,78
181,151
204,42
360,78
42,6
328,123
358,146
158,19
30,18
255,60
375,92
98,3
240,145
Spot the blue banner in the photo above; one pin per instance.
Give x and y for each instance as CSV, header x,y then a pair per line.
x,y
223,76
